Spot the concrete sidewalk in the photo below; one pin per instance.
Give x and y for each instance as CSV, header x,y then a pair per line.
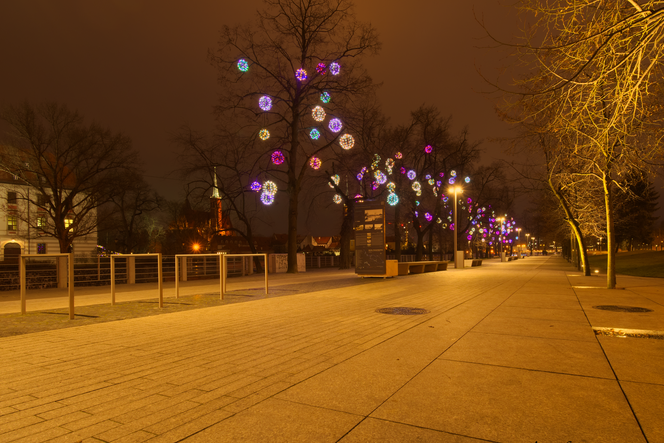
x,y
506,353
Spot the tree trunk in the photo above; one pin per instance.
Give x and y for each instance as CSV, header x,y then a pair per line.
x,y
397,232
345,256
419,251
292,228
430,244
610,235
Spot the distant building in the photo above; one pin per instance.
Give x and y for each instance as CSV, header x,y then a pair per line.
x,y
320,245
17,236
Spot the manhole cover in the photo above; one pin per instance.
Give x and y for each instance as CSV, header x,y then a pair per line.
x,y
621,308
402,311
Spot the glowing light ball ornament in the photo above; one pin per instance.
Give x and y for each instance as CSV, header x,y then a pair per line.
x,y
363,171
265,103
428,216
335,68
467,180
411,175
451,181
389,163
301,74
403,170
325,97
278,157
335,179
318,113
243,65
428,149
417,187
392,199
380,177
255,186
398,155
315,163
391,187
314,134
337,198
347,141
270,187
453,173
321,69
267,199
264,134
335,125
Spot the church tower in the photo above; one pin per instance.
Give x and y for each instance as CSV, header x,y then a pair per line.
x,y
220,219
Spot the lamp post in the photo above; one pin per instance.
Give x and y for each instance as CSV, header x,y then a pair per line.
x,y
528,242
518,234
455,190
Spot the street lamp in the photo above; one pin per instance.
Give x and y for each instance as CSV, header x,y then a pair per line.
x,y
455,190
528,242
518,233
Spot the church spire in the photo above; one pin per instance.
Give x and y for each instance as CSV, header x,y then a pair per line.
x,y
215,189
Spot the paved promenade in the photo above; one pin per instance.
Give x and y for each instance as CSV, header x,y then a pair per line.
x,y
506,353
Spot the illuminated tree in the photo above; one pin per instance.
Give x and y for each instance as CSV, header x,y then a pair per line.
x,y
295,53
595,64
225,167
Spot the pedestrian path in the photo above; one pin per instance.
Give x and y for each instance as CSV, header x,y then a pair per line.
x,y
505,353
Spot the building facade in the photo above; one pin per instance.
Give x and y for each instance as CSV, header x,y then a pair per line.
x,y
17,236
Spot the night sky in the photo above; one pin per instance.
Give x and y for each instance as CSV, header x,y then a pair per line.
x,y
140,67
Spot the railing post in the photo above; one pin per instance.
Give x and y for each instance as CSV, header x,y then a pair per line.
x,y
221,278
70,259
131,270
177,278
265,269
21,282
112,279
183,269
161,280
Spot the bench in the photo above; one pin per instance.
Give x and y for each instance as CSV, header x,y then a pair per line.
x,y
419,267
472,263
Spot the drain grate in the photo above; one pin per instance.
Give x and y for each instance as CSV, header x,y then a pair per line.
x,y
615,308
402,311
629,333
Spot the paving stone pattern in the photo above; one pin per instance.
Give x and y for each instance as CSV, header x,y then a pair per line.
x,y
507,353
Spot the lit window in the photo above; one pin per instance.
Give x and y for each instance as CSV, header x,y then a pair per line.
x,y
11,198
41,248
41,222
68,222
12,223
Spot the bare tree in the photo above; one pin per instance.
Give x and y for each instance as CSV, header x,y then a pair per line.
x,y
73,168
126,217
294,52
225,165
595,64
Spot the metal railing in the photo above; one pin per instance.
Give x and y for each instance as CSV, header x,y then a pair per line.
x,y
42,272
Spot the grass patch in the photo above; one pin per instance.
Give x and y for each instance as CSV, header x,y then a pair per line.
x,y
638,263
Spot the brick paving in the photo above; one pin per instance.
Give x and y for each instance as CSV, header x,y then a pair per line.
x,y
319,364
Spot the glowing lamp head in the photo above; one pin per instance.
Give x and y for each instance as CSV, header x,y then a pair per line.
x,y
196,247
